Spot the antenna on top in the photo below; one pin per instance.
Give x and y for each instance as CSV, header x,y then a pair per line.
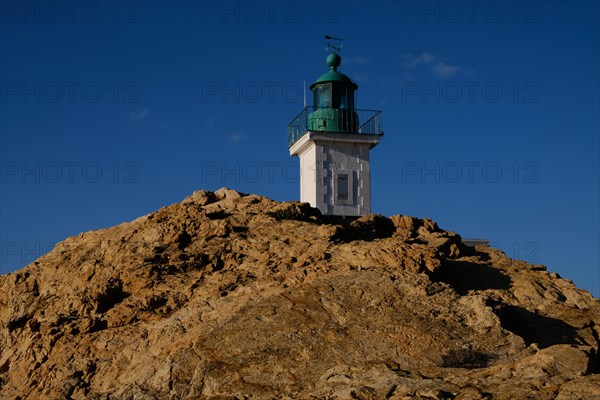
x,y
305,93
336,49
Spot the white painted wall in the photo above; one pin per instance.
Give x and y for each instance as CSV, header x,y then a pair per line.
x,y
308,187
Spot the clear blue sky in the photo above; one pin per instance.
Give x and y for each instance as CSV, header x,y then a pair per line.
x,y
110,110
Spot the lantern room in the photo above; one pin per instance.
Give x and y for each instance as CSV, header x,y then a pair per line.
x,y
333,100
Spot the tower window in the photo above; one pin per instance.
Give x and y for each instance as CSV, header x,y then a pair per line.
x,y
343,190
342,186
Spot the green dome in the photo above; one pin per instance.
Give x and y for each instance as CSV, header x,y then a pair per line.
x,y
334,61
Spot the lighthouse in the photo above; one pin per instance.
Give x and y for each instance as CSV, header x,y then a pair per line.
x,y
333,140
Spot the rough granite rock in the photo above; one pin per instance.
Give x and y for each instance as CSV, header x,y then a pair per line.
x,y
232,296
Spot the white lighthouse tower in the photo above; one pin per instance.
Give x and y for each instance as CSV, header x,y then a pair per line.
x,y
333,140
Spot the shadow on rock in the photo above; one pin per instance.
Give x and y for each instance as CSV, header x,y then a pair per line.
x,y
295,211
366,228
535,328
467,358
464,276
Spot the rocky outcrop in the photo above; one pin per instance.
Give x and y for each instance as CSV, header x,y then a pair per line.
x,y
226,295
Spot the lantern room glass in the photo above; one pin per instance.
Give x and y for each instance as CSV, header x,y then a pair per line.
x,y
336,96
322,96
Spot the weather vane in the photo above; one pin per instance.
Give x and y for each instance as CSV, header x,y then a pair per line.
x,y
334,46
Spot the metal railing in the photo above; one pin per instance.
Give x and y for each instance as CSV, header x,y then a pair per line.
x,y
316,119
